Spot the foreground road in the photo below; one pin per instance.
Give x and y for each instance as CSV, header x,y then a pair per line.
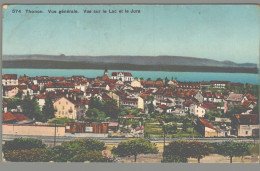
x,y
50,139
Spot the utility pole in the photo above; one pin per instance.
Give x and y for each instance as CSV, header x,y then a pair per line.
x,y
55,134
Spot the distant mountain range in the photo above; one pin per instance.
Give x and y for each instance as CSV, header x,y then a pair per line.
x,y
166,63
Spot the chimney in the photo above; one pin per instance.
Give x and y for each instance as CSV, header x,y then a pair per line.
x,y
75,98
67,95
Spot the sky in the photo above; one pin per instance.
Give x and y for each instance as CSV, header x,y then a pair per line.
x,y
220,32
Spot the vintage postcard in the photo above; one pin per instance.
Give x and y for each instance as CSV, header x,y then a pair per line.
x,y
130,83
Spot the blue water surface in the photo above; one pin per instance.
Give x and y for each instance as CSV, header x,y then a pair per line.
x,y
180,76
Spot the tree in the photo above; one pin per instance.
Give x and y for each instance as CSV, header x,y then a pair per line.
x,y
32,109
148,79
150,108
255,109
12,103
134,147
158,79
19,94
69,149
175,151
22,144
197,149
95,115
232,149
48,109
94,102
111,109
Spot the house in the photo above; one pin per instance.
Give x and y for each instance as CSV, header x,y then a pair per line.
x,y
205,128
72,108
173,83
9,79
132,103
199,97
197,110
223,126
136,83
82,85
54,95
188,85
250,97
218,84
10,91
213,97
114,126
52,86
245,124
235,99
123,76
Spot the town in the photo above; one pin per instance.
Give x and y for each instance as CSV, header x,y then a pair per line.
x,y
118,105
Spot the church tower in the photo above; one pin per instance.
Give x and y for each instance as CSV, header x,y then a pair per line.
x,y
106,72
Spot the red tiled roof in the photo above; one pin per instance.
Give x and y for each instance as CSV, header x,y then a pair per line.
x,y
129,116
188,103
235,97
125,74
250,97
105,96
8,117
163,107
9,76
4,103
19,117
113,124
246,103
9,87
208,105
249,119
78,91
207,124
130,100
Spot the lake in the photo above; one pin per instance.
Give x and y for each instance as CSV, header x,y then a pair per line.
x,y
180,76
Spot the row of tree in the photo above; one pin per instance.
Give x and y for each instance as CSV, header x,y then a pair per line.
x,y
33,150
81,150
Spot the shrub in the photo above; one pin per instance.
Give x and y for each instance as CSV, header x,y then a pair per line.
x,y
91,156
33,155
22,144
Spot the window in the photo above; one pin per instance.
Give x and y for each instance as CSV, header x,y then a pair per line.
x,y
62,107
197,110
246,132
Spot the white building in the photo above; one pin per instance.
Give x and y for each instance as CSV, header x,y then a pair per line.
x,y
197,110
123,76
9,79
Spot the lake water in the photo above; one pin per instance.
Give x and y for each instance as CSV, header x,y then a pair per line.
x,y
181,76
